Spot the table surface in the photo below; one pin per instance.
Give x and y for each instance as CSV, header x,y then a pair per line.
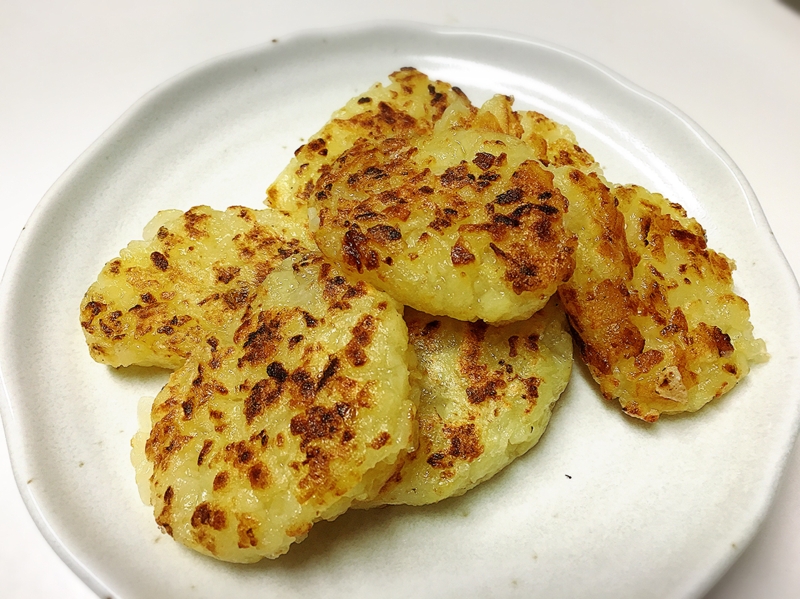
x,y
68,70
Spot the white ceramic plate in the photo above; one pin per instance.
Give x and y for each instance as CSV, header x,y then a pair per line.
x,y
605,506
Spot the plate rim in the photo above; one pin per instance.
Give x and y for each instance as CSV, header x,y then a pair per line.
x,y
19,458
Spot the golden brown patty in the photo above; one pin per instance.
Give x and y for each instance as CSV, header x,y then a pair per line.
x,y
652,307
402,116
302,411
463,222
408,106
194,271
487,395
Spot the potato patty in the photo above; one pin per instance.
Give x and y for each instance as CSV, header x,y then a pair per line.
x,y
408,106
652,307
194,271
304,409
464,222
487,396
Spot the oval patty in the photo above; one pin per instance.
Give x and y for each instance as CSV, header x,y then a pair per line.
x,y
487,394
465,222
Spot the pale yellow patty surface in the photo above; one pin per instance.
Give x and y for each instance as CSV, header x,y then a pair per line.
x,y
192,272
487,394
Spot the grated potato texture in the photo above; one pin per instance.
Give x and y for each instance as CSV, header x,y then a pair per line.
x,y
408,106
464,222
652,307
487,394
303,410
193,271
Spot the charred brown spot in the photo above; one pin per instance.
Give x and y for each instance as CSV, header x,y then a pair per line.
x,y
245,531
510,196
677,323
261,436
521,211
304,382
220,480
488,390
531,389
318,422
353,292
242,453
324,270
261,343
601,324
645,361
226,274
722,341
276,371
192,220
465,445
95,307
505,220
356,252
384,234
204,515
204,451
546,209
436,458
460,254
381,440
456,177
159,260
264,393
373,172
484,160
188,409
315,145
367,215
512,346
114,266
430,327
330,371
258,476
688,240
440,223
362,337
236,298
88,314
395,117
